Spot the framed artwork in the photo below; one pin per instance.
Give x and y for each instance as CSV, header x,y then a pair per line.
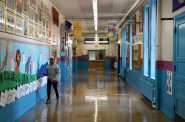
x,y
36,17
45,10
25,25
42,6
33,3
31,30
141,19
10,22
177,4
48,35
10,4
31,14
47,24
134,25
55,16
43,22
19,25
40,14
43,34
37,31
2,16
19,6
25,6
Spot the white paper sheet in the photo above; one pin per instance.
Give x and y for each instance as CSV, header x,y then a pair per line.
x,y
11,96
18,92
3,99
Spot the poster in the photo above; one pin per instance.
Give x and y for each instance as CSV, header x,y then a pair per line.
x,y
31,14
36,17
177,4
169,83
25,6
2,17
44,22
10,24
19,6
37,31
31,30
77,28
10,5
19,25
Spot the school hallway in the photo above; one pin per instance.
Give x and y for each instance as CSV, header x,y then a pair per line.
x,y
96,96
111,60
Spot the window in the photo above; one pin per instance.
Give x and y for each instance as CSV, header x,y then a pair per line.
x,y
124,47
150,23
130,44
145,41
153,38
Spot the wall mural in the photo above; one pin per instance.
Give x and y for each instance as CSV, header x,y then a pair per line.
x,y
23,58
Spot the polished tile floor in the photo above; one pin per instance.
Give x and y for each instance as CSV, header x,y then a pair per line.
x,y
95,96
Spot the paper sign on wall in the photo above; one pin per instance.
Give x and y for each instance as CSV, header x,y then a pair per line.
x,y
169,83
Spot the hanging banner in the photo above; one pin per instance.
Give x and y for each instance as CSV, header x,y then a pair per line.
x,y
177,4
112,31
169,83
77,28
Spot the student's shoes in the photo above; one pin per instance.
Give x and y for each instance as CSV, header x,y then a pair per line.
x,y
48,101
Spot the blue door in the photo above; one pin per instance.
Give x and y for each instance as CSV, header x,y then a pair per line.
x,y
179,65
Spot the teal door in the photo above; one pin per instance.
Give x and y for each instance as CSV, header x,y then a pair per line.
x,y
179,65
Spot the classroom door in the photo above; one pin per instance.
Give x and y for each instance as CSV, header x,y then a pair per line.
x,y
96,59
179,66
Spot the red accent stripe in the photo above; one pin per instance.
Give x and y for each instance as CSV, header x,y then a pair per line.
x,y
62,59
80,57
164,65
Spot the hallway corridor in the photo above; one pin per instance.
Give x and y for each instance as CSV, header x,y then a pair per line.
x,y
95,96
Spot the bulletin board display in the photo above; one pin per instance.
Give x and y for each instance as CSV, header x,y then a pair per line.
x,y
18,15
23,60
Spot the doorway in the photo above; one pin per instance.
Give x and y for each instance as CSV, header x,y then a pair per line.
x,y
96,59
179,65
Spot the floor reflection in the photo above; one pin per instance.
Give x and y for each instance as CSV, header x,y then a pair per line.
x,y
95,96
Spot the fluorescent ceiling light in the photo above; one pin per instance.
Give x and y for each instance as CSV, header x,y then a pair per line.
x,y
95,11
96,37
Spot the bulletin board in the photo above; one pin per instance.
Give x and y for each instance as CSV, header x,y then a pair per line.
x,y
19,15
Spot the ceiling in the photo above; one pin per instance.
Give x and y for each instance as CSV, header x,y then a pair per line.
x,y
108,11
